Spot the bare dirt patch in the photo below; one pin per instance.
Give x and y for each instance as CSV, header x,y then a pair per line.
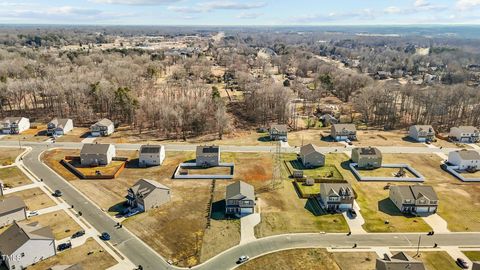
x,y
13,177
8,155
61,224
34,198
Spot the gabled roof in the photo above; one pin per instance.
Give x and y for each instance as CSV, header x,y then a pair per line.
x,y
95,148
10,204
308,149
59,122
399,261
12,119
348,127
240,190
368,151
18,234
279,128
104,122
146,186
150,149
415,192
337,189
467,129
468,154
428,128
204,149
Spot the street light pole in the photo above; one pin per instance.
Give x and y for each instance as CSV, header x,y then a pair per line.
x,y
418,246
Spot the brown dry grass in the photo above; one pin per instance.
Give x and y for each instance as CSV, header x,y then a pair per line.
x,y
99,260
299,138
34,198
62,225
75,135
385,138
8,155
13,177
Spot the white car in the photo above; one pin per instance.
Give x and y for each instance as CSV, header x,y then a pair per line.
x,y
33,213
243,259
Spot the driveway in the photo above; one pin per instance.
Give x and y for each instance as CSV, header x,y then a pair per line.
x,y
438,224
247,228
355,224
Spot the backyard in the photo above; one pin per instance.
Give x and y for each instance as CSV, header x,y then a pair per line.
x,y
61,223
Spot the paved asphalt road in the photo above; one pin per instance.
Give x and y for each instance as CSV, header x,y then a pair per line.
x,y
139,253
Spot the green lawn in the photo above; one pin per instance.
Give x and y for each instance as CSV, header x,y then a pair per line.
x,y
472,255
328,171
438,260
307,190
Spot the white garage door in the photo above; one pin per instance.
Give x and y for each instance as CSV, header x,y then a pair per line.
x,y
245,211
423,209
345,206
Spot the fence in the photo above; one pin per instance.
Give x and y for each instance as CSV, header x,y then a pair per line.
x,y
81,175
177,174
454,172
418,177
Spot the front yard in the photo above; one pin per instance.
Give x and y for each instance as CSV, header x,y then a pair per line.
x,y
438,260
8,155
34,198
60,222
13,177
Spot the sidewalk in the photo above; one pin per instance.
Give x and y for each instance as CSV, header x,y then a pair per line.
x,y
455,253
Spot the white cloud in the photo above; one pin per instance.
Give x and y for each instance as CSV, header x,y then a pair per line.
x,y
364,14
393,10
248,15
467,4
421,3
216,5
135,2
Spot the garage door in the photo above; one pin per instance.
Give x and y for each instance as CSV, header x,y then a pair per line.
x,y
246,211
423,209
345,206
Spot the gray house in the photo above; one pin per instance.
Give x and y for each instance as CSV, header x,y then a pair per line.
x,y
240,199
12,209
367,157
414,199
399,261
59,126
103,127
465,134
147,194
422,133
311,156
23,245
208,156
151,155
343,132
95,154
278,132
336,196
465,160
15,125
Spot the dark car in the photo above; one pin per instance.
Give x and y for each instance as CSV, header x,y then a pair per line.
x,y
105,236
462,263
78,234
64,246
352,213
57,193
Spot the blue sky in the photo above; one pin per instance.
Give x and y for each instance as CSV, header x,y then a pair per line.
x,y
240,12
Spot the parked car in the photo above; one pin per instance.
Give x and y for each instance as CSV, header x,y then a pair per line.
x,y
33,213
243,259
352,213
78,234
105,236
57,193
64,246
462,263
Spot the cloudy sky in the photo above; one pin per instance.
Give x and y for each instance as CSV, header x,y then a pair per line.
x,y
240,12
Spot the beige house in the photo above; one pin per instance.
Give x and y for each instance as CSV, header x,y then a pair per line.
x,y
208,155
311,156
24,245
59,126
147,194
465,134
278,132
12,209
343,132
465,159
336,196
422,133
96,154
151,155
367,157
399,261
417,199
103,127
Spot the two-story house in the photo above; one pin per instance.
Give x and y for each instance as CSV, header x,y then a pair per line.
x,y
367,157
343,132
59,126
15,125
240,199
151,155
207,156
336,196
278,132
465,134
417,199
311,156
103,128
12,209
465,160
147,194
422,133
96,154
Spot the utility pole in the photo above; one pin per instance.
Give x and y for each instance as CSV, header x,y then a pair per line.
x,y
418,246
277,166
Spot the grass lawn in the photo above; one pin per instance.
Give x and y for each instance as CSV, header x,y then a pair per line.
x,y
75,135
62,224
367,138
108,169
8,155
438,260
98,260
455,196
34,198
376,207
472,255
328,171
312,259
385,172
13,177
315,189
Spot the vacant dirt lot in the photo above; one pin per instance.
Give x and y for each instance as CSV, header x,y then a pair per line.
x,y
34,198
375,205
99,259
13,177
312,259
455,196
62,225
8,155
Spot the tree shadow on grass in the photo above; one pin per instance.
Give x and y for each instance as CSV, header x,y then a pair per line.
x,y
408,139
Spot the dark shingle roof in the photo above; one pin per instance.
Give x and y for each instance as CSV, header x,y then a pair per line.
x,y
240,189
18,234
10,204
94,148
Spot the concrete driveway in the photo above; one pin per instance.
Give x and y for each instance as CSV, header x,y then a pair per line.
x,y
438,224
355,224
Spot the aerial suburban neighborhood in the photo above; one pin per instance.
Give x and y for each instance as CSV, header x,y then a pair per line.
x,y
126,146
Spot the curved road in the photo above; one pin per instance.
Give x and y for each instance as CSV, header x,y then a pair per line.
x,y
139,253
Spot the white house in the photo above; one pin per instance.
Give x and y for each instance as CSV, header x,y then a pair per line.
x,y
465,159
59,126
95,154
23,245
151,155
421,133
12,209
148,194
15,125
103,127
465,134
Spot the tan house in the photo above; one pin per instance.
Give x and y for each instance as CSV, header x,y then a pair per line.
x,y
147,194
367,157
465,134
417,199
96,154
103,128
422,133
465,160
278,132
311,156
208,155
336,196
343,132
399,261
12,209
